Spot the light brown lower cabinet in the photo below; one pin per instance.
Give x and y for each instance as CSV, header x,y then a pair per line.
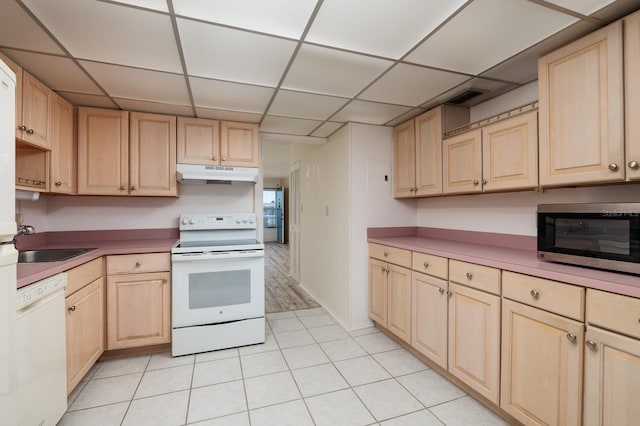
x,y
474,339
138,301
378,291
85,320
429,317
541,366
399,301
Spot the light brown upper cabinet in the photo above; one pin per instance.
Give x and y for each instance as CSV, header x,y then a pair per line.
x,y
114,159
217,143
632,94
581,110
499,156
63,170
418,151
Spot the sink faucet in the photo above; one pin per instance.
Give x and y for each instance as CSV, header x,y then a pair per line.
x,y
24,230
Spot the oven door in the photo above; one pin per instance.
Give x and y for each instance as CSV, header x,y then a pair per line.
x,y
210,288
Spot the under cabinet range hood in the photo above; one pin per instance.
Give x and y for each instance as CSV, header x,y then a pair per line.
x,y
201,174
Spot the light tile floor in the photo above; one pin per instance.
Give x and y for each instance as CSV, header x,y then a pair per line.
x,y
308,372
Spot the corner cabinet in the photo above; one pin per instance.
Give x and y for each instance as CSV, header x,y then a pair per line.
x,y
63,170
85,320
138,300
612,360
418,151
632,95
581,110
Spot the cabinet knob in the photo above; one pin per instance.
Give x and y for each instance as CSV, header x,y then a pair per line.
x,y
426,264
476,181
534,293
138,264
58,183
122,188
386,253
449,293
469,275
30,131
22,127
441,290
71,308
572,337
214,158
133,187
484,181
591,345
613,167
633,165
164,281
224,158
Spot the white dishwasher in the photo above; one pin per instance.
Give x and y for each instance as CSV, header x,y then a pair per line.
x,y
41,352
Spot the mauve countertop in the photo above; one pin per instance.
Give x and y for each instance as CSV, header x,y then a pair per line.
x,y
105,242
511,253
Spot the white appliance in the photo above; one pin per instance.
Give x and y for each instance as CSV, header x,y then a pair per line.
x,y
41,351
217,283
8,253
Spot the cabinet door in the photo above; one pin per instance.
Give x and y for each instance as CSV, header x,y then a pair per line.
x,y
378,291
612,379
428,129
404,160
399,301
152,155
103,151
239,144
581,110
541,366
198,141
510,153
63,148
462,163
17,69
632,94
138,310
36,112
429,317
85,331
474,339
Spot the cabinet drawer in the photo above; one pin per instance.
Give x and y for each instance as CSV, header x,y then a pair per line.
x,y
135,263
481,277
552,296
431,265
614,312
82,275
391,254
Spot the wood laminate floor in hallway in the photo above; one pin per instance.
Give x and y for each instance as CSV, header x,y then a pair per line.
x,y
282,293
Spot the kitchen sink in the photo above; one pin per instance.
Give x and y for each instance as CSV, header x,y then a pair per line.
x,y
50,255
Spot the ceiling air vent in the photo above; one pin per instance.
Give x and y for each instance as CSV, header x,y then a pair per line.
x,y
466,96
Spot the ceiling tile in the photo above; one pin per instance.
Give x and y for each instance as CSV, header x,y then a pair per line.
x,y
81,99
233,96
218,114
56,72
490,87
305,105
111,33
233,55
369,112
140,84
327,129
19,30
332,72
523,67
617,10
356,24
160,5
155,107
281,17
411,85
585,7
291,126
465,46
406,116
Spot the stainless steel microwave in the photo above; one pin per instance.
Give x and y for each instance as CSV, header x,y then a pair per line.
x,y
599,235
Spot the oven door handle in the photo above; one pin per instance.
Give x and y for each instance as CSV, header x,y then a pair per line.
x,y
192,257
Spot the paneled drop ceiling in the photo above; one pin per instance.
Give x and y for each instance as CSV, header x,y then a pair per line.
x,y
297,67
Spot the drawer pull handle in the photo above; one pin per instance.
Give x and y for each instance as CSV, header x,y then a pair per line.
x,y
534,293
426,264
572,337
71,308
386,253
469,275
138,264
441,290
591,345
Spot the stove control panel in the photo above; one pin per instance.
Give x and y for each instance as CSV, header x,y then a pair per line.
x,y
212,221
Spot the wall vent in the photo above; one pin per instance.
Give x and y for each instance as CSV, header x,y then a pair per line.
x,y
466,96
